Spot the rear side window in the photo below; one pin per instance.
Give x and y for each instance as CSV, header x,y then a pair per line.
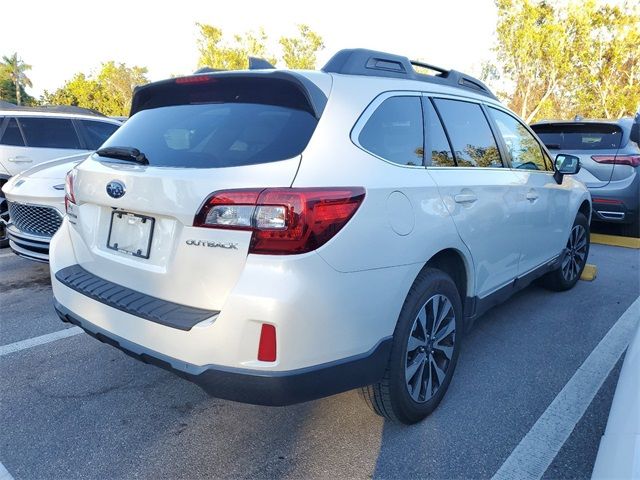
x,y
50,133
470,134
438,149
222,123
12,135
524,149
97,132
395,131
579,136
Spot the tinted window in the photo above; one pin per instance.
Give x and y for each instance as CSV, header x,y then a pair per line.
x,y
579,136
395,131
12,135
97,132
470,134
50,133
523,148
438,150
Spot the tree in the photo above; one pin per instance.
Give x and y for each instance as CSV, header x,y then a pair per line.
x,y
217,53
572,58
300,52
15,68
109,91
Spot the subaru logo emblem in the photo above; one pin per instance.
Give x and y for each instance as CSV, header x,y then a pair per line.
x,y
115,189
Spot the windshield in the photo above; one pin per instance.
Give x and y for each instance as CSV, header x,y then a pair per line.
x,y
579,136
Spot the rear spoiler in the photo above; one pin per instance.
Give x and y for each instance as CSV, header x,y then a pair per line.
x,y
315,97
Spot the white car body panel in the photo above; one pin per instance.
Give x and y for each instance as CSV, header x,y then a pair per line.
x,y
619,452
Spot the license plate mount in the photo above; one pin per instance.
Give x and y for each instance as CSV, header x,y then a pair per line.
x,y
131,233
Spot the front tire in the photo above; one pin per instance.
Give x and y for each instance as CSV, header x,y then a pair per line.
x,y
424,353
574,258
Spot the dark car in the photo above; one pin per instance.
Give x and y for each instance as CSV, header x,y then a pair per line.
x,y
610,159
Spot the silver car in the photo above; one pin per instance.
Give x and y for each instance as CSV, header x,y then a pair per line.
x,y
610,159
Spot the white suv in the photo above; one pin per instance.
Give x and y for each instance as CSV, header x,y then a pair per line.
x,y
278,236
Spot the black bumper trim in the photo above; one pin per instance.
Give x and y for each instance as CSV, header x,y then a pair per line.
x,y
255,386
132,302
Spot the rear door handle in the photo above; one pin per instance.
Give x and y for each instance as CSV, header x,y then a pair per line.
x,y
465,198
20,159
531,195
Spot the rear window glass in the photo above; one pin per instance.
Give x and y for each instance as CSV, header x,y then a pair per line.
x,y
97,132
50,133
579,137
222,124
12,135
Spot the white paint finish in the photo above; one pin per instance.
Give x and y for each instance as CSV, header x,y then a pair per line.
x,y
41,340
619,453
4,473
533,455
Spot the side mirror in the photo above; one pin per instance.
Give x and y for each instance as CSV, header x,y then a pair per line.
x,y
566,165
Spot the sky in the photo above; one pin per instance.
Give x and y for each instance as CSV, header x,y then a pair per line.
x,y
62,37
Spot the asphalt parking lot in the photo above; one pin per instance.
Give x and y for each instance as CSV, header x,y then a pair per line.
x,y
75,408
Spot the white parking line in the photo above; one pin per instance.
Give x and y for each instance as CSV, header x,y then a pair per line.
x,y
41,340
4,474
9,254
533,455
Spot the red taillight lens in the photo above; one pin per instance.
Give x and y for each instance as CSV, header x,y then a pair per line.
x,y
267,345
283,220
631,160
69,195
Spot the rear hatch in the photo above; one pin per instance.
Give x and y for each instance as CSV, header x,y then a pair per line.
x,y
596,144
199,135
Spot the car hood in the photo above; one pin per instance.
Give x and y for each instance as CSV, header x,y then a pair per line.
x,y
55,169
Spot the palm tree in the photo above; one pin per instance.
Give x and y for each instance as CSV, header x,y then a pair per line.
x,y
15,67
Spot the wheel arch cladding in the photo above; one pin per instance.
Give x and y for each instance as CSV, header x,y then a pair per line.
x,y
453,263
585,209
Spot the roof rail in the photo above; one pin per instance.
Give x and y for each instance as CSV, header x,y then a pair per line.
x,y
52,108
360,61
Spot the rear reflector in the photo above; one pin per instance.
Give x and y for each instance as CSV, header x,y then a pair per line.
x,y
267,346
631,160
283,220
608,201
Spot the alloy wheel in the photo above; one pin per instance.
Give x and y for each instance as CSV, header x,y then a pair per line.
x,y
430,348
576,253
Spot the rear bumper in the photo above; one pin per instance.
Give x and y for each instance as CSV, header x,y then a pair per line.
x,y
33,247
273,388
618,202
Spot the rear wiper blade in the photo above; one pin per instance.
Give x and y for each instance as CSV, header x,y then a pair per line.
x,y
124,153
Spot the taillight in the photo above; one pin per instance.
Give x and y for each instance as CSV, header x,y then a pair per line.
x,y
191,79
283,220
631,160
69,195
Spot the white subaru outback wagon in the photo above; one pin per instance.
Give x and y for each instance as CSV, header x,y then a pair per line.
x,y
278,236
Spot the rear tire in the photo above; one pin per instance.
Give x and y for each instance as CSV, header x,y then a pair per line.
x,y
573,258
424,352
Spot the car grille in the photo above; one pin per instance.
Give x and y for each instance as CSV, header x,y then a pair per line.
x,y
35,219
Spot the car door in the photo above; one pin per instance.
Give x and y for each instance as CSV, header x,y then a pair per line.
x,y
543,201
38,139
477,189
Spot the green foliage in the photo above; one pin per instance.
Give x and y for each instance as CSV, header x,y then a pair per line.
x,y
109,91
300,52
13,69
564,59
220,53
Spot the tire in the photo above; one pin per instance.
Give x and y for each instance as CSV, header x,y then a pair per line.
x,y
4,219
574,258
401,395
